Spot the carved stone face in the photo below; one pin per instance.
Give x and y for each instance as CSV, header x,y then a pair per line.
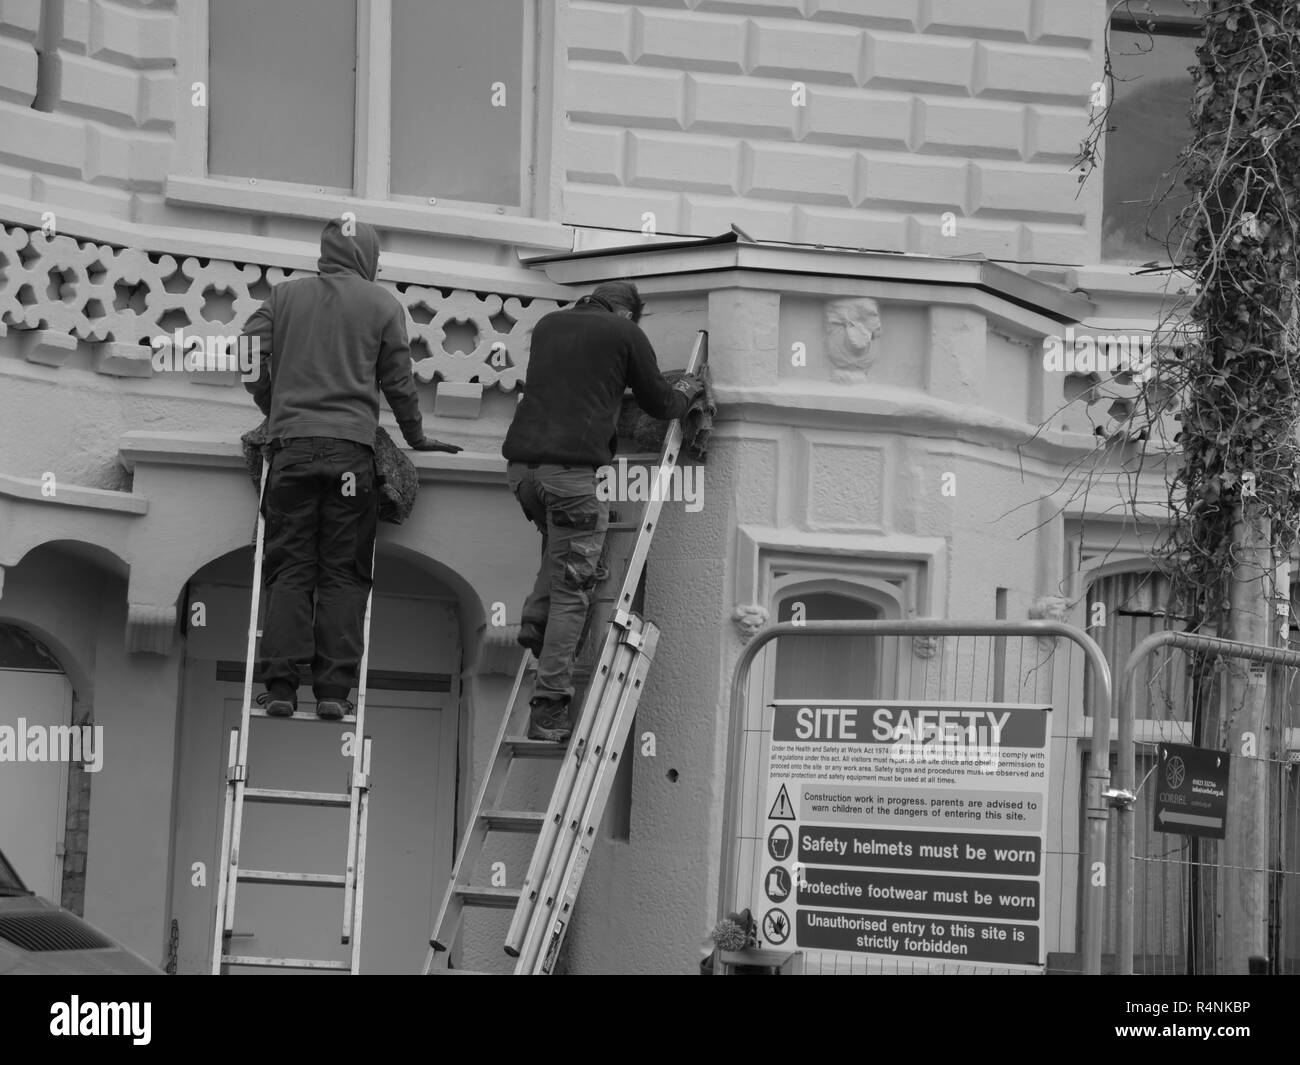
x,y
1050,608
851,329
748,619
925,645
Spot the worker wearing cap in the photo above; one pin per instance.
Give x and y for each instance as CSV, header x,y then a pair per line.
x,y
582,360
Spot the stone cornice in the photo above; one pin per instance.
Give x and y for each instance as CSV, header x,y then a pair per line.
x,y
729,253
34,489
142,448
291,255
897,410
236,195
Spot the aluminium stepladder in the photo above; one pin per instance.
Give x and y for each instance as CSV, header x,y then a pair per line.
x,y
543,904
238,791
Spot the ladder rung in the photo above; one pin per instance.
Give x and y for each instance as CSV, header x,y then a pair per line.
x,y
303,715
284,963
514,820
505,898
528,749
297,798
268,876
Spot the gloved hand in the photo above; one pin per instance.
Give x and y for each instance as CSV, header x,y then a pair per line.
x,y
689,385
427,443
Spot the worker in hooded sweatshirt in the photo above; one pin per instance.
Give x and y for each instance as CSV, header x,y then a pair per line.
x,y
328,345
581,361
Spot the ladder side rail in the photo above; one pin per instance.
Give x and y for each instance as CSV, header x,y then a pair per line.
x,y
364,813
461,869
604,720
230,858
603,679
357,754
219,922
593,815
251,647
614,709
649,519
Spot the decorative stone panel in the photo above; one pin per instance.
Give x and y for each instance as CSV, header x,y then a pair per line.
x,y
121,298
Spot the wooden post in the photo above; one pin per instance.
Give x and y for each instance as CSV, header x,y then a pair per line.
x,y
1243,893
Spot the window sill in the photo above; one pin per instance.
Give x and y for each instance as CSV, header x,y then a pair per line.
x,y
386,214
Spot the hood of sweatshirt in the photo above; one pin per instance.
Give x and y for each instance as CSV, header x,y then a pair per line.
x,y
357,253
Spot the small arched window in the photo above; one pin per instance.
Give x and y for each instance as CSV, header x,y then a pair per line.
x,y
827,667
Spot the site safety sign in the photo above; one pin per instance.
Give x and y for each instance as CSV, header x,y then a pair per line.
x,y
906,830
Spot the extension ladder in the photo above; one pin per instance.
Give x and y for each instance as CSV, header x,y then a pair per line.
x,y
566,832
238,792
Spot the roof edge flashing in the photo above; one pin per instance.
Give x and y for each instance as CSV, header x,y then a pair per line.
x,y
732,251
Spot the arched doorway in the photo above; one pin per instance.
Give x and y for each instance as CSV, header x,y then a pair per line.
x,y
412,716
35,740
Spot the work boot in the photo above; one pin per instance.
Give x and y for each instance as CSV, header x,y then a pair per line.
x,y
333,709
276,704
548,718
531,636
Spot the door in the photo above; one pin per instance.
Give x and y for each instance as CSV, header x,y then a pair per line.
x,y
33,794
410,831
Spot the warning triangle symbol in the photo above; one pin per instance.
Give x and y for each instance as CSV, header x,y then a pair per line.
x,y
782,810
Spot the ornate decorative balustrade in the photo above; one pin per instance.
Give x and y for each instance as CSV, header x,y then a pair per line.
x,y
121,298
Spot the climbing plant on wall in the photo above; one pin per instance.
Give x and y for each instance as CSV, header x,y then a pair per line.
x,y
1229,362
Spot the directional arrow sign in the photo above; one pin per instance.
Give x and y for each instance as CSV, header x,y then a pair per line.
x,y
1191,790
1190,819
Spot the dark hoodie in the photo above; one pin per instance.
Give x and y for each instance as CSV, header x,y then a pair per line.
x,y
580,362
330,343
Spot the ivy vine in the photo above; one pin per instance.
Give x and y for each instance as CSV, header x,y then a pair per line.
x,y
1229,348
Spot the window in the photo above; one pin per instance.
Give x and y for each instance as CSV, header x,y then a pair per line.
x,y
1150,125
457,117
377,98
826,667
282,101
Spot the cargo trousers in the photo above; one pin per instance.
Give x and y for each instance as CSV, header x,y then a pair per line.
x,y
562,502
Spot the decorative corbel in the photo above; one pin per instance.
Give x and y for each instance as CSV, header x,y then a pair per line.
x,y
500,651
150,629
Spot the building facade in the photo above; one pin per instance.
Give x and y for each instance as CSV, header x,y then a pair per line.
x,y
898,233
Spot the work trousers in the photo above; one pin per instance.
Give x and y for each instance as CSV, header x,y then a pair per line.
x,y
321,509
561,501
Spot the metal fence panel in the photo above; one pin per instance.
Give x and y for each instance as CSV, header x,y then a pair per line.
x,y
1042,663
1167,915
